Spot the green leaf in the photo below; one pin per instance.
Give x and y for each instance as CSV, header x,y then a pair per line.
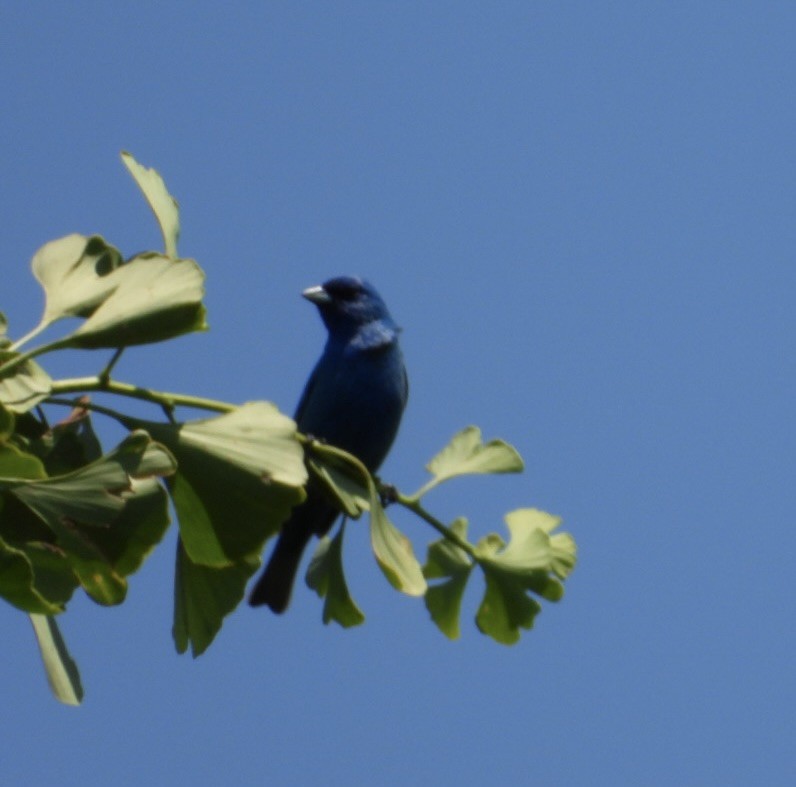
x,y
326,577
450,562
164,206
7,421
341,478
154,298
15,463
534,544
105,516
393,551
239,476
62,672
525,564
69,445
466,454
505,608
48,581
203,597
17,585
531,548
25,386
75,274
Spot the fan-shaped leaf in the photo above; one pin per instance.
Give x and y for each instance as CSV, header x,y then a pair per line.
x,y
239,476
203,597
451,563
466,454
326,577
164,206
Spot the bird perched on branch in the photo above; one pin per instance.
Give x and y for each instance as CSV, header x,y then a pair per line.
x,y
354,400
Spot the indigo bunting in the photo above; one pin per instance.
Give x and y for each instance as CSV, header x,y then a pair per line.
x,y
354,400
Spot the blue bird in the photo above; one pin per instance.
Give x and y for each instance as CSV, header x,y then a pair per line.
x,y
354,400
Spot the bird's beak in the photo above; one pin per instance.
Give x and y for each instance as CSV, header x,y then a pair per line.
x,y
317,295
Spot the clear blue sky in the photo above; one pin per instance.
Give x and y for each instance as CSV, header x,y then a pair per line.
x,y
583,216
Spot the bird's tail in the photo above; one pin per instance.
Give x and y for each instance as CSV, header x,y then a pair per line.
x,y
276,584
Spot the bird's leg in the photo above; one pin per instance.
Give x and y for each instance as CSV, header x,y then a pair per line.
x,y
388,493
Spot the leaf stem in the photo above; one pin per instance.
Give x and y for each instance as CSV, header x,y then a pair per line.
x,y
105,374
162,398
18,360
413,505
29,335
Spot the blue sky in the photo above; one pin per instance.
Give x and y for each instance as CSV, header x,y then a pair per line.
x,y
583,216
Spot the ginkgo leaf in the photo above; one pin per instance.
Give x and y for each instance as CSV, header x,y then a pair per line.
x,y
326,577
203,597
75,274
16,463
466,454
164,206
62,673
17,582
239,476
394,552
154,298
505,608
340,477
527,563
450,562
25,386
106,516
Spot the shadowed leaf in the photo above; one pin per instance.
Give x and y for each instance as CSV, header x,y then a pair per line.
x,y
203,597
25,386
239,476
105,516
341,478
17,582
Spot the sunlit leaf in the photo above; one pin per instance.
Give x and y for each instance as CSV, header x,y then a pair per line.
x,y
25,386
74,272
326,577
239,476
163,205
154,298
533,543
449,562
466,454
532,548
531,562
394,552
203,597
62,672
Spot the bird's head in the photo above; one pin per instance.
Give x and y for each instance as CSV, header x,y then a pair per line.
x,y
348,303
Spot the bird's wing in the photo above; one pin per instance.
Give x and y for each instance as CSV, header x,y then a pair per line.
x,y
306,395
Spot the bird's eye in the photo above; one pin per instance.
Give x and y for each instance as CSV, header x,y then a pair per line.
x,y
343,290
